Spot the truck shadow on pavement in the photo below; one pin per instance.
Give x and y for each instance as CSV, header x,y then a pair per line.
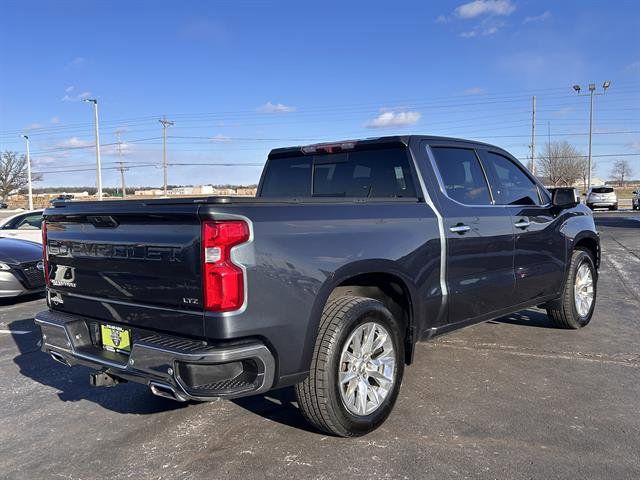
x,y
21,299
279,406
527,318
73,383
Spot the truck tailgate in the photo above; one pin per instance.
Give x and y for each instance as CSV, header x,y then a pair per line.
x,y
128,262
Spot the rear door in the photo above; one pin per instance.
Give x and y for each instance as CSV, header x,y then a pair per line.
x,y
480,243
540,247
128,262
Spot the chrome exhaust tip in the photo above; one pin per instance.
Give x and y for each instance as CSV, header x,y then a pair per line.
x,y
166,391
59,358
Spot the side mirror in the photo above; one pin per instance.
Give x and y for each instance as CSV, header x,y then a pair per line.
x,y
565,197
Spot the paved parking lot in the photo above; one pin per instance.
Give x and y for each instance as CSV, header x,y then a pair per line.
x,y
512,398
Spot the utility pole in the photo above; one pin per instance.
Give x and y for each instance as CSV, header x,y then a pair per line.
x,y
121,166
98,165
591,94
165,123
533,136
26,139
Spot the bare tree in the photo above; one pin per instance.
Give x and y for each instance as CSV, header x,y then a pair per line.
x,y
13,172
561,163
584,171
621,170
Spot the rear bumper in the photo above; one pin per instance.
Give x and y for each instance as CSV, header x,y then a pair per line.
x,y
178,368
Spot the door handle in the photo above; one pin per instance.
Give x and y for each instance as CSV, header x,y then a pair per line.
x,y
460,228
522,223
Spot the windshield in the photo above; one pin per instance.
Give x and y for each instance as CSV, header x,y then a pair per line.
x,y
602,190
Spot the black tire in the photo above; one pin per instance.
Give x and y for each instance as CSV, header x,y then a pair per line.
x,y
319,396
563,310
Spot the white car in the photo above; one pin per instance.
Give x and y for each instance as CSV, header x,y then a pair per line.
x,y
602,197
24,225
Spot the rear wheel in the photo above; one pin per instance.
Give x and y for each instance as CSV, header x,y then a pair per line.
x,y
575,308
356,370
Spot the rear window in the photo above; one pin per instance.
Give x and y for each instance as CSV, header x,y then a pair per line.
x,y
602,190
367,173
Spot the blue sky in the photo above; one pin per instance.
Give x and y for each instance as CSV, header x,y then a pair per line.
x,y
241,77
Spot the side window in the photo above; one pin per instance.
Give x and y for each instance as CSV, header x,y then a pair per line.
x,y
29,222
510,185
462,175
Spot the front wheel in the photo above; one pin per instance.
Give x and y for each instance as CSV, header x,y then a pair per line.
x,y
356,370
574,308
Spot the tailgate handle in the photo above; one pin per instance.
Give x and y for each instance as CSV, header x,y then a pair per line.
x,y
102,221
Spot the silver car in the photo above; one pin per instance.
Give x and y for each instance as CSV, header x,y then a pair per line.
x,y
21,267
635,200
602,197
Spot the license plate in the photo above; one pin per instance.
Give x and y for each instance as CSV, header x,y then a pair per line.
x,y
115,339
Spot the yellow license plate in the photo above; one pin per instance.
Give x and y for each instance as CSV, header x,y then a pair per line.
x,y
115,339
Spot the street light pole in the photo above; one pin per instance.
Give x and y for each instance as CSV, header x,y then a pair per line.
x,y
165,123
98,165
592,93
26,139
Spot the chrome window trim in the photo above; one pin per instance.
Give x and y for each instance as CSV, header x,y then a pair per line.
x,y
480,205
443,238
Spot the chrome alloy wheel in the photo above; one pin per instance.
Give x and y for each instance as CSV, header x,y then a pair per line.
x,y
367,369
583,290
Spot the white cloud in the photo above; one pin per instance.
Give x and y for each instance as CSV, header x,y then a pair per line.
x,y
74,142
219,138
275,108
76,62
76,98
33,126
475,91
394,119
634,145
69,89
442,19
487,27
484,7
633,67
538,18
54,120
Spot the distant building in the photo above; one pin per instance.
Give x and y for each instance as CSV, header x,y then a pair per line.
x,y
247,192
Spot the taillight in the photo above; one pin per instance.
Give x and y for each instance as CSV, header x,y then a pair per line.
x,y
45,256
222,280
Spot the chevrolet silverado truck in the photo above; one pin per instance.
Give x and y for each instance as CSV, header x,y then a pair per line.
x,y
350,253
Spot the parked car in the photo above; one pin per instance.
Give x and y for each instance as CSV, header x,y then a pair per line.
x,y
61,198
21,267
602,197
24,225
350,254
3,204
635,200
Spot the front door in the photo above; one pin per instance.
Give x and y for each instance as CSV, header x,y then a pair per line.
x,y
540,248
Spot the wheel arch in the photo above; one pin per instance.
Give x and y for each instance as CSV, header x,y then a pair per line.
x,y
589,241
378,279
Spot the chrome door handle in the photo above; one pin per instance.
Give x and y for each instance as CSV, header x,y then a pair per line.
x,y
522,223
460,228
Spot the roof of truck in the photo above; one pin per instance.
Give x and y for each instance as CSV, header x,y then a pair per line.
x,y
373,141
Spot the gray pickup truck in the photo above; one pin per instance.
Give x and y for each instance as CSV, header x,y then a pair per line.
x,y
350,254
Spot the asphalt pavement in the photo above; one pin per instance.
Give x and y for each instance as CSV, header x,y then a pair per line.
x,y
512,398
